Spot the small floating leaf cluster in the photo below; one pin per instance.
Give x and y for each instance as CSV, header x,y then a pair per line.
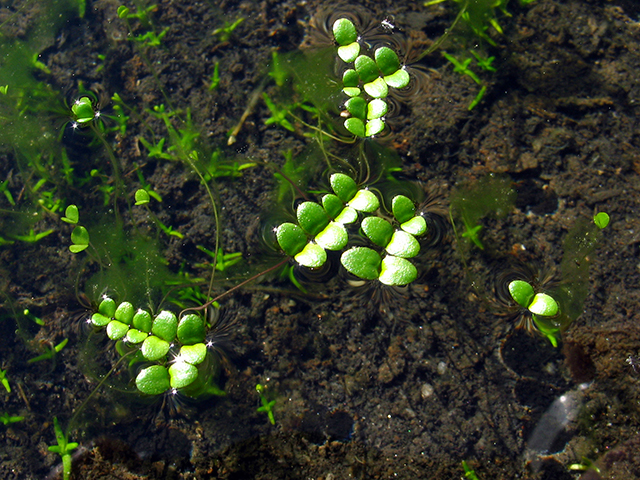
x,y
542,307
153,340
323,226
368,80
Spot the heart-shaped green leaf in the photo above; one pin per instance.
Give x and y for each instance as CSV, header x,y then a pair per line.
x,y
291,238
344,186
136,336
344,31
333,237
142,320
311,256
154,348
153,380
387,60
403,208
399,79
347,215
377,88
71,214
403,245
312,218
100,320
397,271
362,262
350,78
83,111
79,238
182,374
351,91
521,292
165,326
191,329
107,307
378,230
374,127
193,354
416,226
355,126
332,205
376,108
365,201
357,106
116,330
348,53
366,68
124,313
543,305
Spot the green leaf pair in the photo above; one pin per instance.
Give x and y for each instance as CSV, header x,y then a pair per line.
x,y
82,111
541,306
399,245
322,227
155,337
368,82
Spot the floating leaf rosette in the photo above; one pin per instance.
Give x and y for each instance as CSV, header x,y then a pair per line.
x,y
367,81
153,340
323,226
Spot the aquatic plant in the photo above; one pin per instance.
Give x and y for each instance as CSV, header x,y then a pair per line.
x,y
63,448
322,227
173,350
367,80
